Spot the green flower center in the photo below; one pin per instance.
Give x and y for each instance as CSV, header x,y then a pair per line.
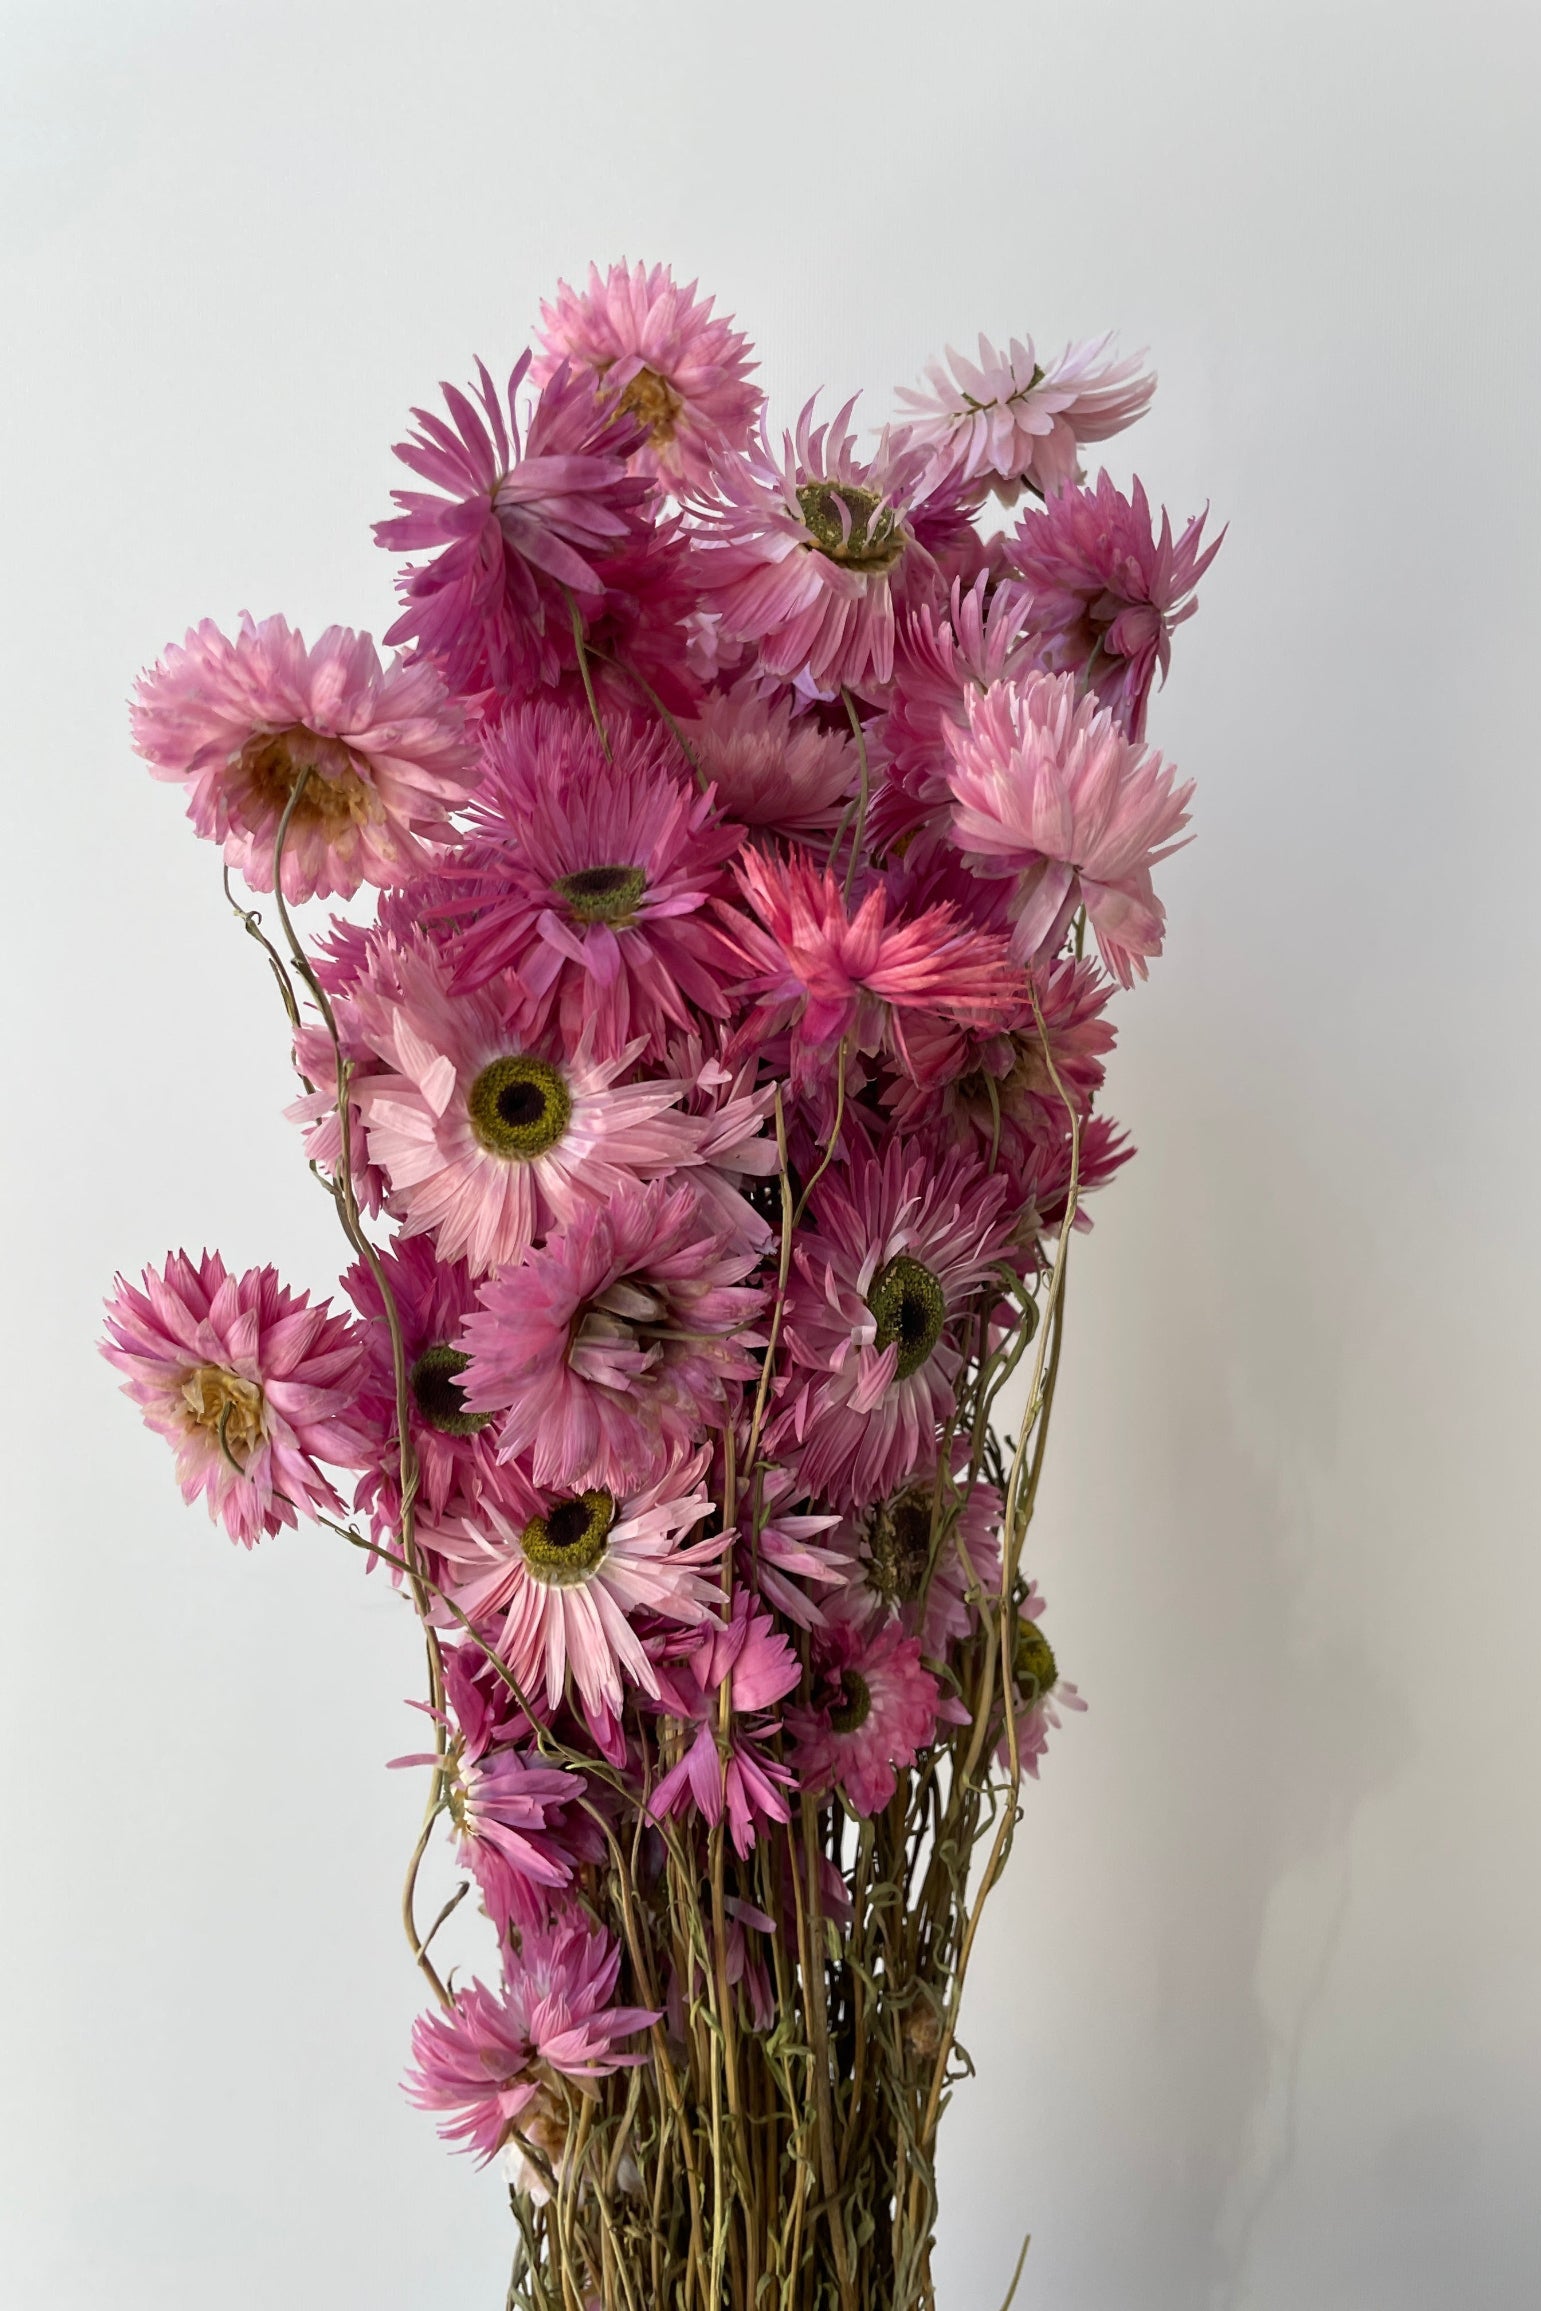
x,y
851,525
1033,1663
899,1545
564,1546
519,1107
851,1714
911,1309
436,1391
603,894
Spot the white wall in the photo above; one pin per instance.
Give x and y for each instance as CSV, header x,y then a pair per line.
x,y
1258,2017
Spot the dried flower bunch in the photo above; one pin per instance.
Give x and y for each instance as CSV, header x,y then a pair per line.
x,y
707,1102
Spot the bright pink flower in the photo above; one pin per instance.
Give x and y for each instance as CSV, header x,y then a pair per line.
x,y
805,556
486,2060
610,1351
379,754
1004,419
432,1298
508,1814
658,352
943,658
1041,1692
995,1090
907,1564
487,1137
898,1250
1104,592
520,530
1050,793
248,1383
874,1710
557,1580
771,767
593,882
729,1772
780,1546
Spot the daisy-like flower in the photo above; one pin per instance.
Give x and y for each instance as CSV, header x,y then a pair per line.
x,y
517,527
488,2060
248,1383
1049,793
874,1709
773,768
489,1137
899,1247
432,1299
1104,592
995,1090
909,1562
372,758
943,658
613,1348
558,1579
594,883
807,556
659,353
1041,1693
1005,420
726,1770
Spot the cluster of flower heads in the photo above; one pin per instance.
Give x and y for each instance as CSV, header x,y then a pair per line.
x,y
758,844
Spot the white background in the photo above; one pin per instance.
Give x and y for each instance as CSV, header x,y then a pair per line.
x,y
1258,2016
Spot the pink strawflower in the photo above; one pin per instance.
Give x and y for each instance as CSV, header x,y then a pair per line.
x,y
1051,794
725,1769
908,1563
944,657
612,1349
1005,420
489,1137
248,1383
454,1454
518,528
995,1091
661,356
805,556
1104,592
773,767
1040,1691
379,754
486,2060
594,883
874,1709
557,1580
737,1180
508,1814
781,1546
899,1248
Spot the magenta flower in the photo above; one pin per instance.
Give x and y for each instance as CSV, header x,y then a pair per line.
x,y
661,357
485,2062
725,1769
432,1298
807,556
487,1137
593,883
1005,420
1050,793
1104,592
610,1351
943,658
781,1546
248,1383
773,767
508,1816
899,1248
874,1709
519,529
1040,1691
379,754
907,1564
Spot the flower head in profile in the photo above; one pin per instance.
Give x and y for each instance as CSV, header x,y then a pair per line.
x,y
611,1350
516,524
772,766
487,2060
1005,420
487,1136
1049,793
509,1814
724,1768
873,1710
785,1543
1104,591
946,654
453,1451
1040,1691
248,1383
663,358
366,760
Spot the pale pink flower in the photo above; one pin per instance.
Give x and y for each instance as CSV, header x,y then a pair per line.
x,y
487,1137
661,356
772,767
486,2061
908,1562
1104,592
558,1580
944,657
1004,419
898,1249
611,1350
518,529
874,1709
1050,794
1041,1693
248,1383
725,1769
379,755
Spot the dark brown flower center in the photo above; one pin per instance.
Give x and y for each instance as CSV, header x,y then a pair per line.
x,y
564,1546
519,1107
603,894
899,1545
910,1308
851,525
1033,1663
851,1712
436,1391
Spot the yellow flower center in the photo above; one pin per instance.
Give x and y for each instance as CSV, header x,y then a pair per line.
x,y
568,1543
653,401
223,1405
519,1106
334,795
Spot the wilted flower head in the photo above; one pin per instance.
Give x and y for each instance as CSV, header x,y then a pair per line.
x,y
1005,420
